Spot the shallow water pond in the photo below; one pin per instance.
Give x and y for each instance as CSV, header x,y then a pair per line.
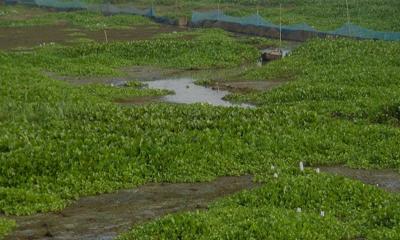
x,y
186,91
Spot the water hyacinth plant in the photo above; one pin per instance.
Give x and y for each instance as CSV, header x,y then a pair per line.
x,y
59,142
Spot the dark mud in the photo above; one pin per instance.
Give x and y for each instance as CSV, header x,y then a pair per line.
x,y
247,86
105,216
385,179
27,37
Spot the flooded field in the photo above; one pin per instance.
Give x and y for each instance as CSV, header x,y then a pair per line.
x,y
26,37
81,121
104,216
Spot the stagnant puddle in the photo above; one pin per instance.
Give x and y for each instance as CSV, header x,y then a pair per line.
x,y
386,179
186,91
105,216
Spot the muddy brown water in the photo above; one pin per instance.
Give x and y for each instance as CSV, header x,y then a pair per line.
x,y
107,215
385,179
27,37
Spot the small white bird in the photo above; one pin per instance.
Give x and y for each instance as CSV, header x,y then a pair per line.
x,y
298,210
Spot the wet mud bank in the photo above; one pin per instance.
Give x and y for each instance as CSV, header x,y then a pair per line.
x,y
385,179
246,86
105,216
33,36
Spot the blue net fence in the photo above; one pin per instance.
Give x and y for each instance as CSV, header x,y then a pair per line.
x,y
347,30
245,24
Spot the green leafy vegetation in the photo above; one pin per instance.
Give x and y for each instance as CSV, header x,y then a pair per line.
x,y
34,177
5,227
295,206
102,59
352,80
59,142
341,93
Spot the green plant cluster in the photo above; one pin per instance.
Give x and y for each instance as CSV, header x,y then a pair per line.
x,y
102,59
59,142
5,227
34,177
347,79
348,91
295,206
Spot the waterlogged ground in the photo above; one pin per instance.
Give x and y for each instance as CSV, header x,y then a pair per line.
x,y
338,106
182,84
105,216
27,37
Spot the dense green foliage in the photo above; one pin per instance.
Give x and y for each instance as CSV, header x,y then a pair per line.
x,y
213,49
345,99
350,209
40,117
351,80
59,142
5,227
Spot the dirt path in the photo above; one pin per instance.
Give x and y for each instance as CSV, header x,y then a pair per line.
x,y
105,216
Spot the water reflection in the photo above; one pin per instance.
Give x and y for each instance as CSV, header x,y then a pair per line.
x,y
188,92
